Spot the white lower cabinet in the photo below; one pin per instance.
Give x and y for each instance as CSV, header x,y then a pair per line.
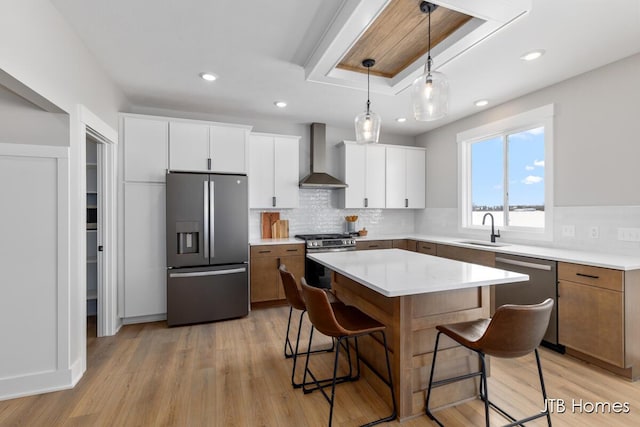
x,y
405,177
273,171
144,250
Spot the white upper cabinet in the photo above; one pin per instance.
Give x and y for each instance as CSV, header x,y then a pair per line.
x,y
228,148
273,171
364,173
405,177
145,149
189,146
204,147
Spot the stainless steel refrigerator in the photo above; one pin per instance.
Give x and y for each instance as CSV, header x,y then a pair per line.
x,y
207,247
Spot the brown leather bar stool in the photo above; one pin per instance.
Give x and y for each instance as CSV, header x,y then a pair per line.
x,y
342,322
514,331
294,299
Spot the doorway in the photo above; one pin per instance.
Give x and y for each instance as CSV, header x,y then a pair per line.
x,y
101,301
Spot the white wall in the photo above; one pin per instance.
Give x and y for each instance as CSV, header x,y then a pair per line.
x,y
596,155
43,56
40,50
24,123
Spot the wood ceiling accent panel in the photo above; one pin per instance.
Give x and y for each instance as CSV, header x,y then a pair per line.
x,y
399,36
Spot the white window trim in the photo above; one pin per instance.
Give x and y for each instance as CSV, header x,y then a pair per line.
x,y
542,116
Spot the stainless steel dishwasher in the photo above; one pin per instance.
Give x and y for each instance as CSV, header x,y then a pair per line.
x,y
542,284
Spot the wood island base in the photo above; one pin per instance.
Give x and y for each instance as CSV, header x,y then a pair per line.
x,y
411,334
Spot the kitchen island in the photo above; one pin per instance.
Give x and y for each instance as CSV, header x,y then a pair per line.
x,y
411,293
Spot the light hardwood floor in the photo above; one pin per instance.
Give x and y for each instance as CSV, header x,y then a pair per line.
x,y
233,373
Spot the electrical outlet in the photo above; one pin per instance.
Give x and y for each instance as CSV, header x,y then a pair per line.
x,y
594,232
568,231
629,234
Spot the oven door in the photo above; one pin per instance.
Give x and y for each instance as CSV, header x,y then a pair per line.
x,y
317,274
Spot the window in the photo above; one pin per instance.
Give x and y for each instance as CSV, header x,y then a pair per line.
x,y
506,170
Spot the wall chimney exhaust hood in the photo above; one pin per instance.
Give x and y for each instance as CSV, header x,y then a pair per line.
x,y
319,178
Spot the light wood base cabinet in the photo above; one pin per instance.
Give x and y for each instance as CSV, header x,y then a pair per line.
x,y
474,256
373,244
265,279
426,248
598,316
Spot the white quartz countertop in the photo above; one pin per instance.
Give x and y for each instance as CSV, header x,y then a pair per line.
x,y
287,241
395,272
596,259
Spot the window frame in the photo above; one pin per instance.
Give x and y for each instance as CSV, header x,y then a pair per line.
x,y
538,117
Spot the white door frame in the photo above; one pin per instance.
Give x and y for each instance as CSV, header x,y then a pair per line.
x,y
108,321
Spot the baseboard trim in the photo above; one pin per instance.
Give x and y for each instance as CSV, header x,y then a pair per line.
x,y
44,382
144,319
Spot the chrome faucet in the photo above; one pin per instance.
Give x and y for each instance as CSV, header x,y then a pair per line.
x,y
493,233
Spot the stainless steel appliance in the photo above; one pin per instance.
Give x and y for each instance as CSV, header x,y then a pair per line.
x,y
317,274
542,284
207,247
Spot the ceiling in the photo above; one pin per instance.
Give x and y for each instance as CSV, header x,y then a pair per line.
x,y
266,51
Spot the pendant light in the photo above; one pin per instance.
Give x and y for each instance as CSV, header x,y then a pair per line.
x,y
430,91
368,123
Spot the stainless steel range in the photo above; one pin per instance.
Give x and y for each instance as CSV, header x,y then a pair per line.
x,y
317,274
316,243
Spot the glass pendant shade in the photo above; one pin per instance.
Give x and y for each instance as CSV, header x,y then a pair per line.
x,y
430,96
368,123
430,91
367,127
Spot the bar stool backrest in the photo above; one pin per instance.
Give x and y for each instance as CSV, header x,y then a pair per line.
x,y
516,330
291,290
320,311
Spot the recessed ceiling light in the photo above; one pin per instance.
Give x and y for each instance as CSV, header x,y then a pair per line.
x,y
208,77
280,104
401,119
534,54
481,103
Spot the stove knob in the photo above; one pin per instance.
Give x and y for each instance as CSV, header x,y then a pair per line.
x,y
353,242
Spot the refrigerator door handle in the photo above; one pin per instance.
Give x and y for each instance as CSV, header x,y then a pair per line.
x,y
212,216
205,218
208,273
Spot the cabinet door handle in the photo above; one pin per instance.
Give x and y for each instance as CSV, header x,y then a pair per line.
x,y
209,163
264,252
273,201
590,276
279,262
292,250
366,202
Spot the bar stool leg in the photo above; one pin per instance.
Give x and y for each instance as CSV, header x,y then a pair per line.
x,y
394,413
333,382
544,391
433,368
306,363
295,354
483,387
287,342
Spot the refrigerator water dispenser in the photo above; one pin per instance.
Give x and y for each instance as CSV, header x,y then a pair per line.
x,y
188,237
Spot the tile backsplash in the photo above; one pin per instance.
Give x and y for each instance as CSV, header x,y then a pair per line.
x,y
317,214
607,219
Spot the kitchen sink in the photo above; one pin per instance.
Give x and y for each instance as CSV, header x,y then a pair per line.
x,y
477,243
